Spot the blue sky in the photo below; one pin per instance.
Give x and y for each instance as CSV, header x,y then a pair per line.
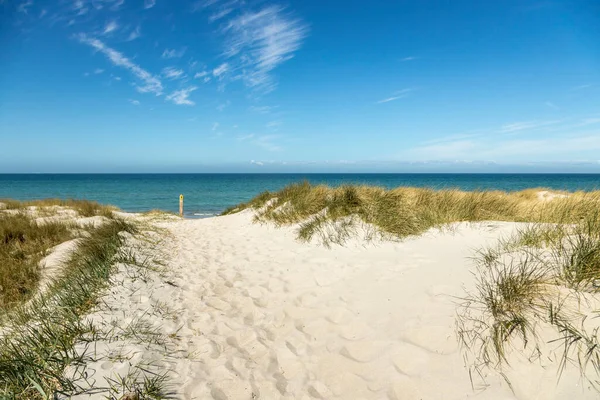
x,y
261,85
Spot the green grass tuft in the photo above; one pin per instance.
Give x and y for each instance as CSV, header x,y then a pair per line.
x,y
23,243
38,338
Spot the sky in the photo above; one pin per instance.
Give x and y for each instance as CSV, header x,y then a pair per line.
x,y
299,86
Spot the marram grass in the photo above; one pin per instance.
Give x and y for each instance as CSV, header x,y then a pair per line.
x,y
85,208
23,243
37,339
407,211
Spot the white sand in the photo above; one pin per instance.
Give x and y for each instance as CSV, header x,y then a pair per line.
x,y
246,311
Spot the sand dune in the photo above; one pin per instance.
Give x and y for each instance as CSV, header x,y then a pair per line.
x,y
257,314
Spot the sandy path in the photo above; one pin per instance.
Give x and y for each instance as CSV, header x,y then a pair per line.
x,y
258,314
270,317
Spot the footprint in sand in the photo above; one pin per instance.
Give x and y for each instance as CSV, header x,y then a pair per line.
x,y
410,360
364,352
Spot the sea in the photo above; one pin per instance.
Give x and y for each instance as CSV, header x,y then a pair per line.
x,y
206,195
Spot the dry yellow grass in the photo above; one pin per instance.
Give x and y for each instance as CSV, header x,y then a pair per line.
x,y
406,211
84,208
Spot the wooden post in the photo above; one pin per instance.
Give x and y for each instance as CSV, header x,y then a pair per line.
x,y
181,205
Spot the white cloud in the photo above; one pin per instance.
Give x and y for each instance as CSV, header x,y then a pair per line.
x,y
199,75
259,163
274,125
222,106
508,150
220,70
110,27
98,71
390,99
245,137
172,73
180,97
79,6
118,3
261,109
150,83
134,102
396,95
266,142
201,4
149,3
134,34
580,87
258,42
220,14
526,125
589,121
215,126
172,53
24,6
411,58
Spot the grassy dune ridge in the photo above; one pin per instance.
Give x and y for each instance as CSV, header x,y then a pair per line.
x,y
39,329
84,208
534,292
28,230
406,211
38,343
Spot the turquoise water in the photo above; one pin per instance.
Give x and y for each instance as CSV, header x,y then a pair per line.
x,y
209,194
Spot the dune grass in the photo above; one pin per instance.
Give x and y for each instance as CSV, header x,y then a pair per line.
x,y
23,243
84,208
37,339
531,286
407,211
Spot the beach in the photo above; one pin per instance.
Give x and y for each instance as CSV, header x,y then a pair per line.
x,y
258,314
400,294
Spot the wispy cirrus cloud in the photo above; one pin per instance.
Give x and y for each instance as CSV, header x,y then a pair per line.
x,y
396,96
117,4
24,6
267,142
220,70
261,109
508,150
134,102
581,87
220,14
110,27
172,73
526,125
150,83
257,42
181,97
149,4
410,58
245,137
551,105
222,106
215,126
173,53
134,34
